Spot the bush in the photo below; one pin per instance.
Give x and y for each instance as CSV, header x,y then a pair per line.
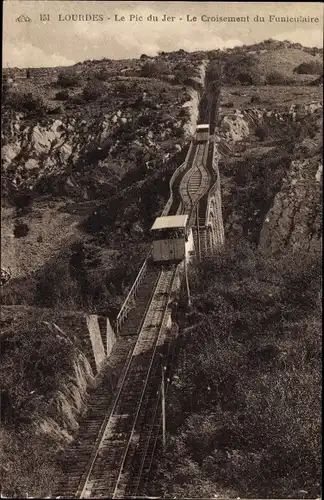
x,y
245,78
102,75
93,90
68,79
256,99
62,95
276,78
262,132
154,69
76,100
21,230
26,102
238,68
309,68
122,88
23,202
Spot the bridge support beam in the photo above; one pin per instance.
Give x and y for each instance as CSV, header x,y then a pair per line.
x,y
210,239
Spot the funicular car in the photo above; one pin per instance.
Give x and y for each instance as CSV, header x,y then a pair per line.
x,y
172,239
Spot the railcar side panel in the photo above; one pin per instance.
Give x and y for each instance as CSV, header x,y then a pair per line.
x,y
170,249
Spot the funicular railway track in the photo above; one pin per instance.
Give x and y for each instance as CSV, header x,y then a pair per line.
x,y
115,458
194,184
193,187
105,472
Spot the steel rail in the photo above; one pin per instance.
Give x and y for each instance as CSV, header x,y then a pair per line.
x,y
84,480
160,332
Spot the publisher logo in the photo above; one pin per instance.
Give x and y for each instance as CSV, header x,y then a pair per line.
x,y
23,19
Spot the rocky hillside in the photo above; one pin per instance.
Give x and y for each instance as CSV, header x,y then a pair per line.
x,y
248,366
56,129
79,147
272,165
137,116
88,152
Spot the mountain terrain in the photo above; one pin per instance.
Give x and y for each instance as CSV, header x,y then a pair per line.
x,y
87,154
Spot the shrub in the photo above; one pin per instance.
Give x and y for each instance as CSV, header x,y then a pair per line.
x,y
54,110
256,99
76,100
262,132
23,202
154,69
309,68
62,95
68,79
276,78
93,90
240,69
121,87
21,230
102,75
26,102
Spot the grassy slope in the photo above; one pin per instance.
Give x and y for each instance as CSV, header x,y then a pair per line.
x,y
284,60
244,410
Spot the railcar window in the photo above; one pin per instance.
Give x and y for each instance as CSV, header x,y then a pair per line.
x,y
166,234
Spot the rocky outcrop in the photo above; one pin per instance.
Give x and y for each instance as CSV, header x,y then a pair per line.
x,y
88,155
193,104
239,124
277,199
295,218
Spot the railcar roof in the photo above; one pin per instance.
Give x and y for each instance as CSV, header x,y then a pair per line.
x,y
169,222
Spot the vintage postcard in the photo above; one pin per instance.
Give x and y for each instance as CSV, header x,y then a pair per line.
x,y
161,249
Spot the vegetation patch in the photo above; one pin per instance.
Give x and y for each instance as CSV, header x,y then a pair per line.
x,y
37,362
244,414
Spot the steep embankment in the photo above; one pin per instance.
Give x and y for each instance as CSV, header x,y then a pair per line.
x,y
51,361
47,368
271,174
244,403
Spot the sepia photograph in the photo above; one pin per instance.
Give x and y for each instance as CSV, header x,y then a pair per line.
x,y
161,250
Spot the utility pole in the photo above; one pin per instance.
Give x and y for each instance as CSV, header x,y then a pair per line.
x,y
187,282
198,232
163,409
